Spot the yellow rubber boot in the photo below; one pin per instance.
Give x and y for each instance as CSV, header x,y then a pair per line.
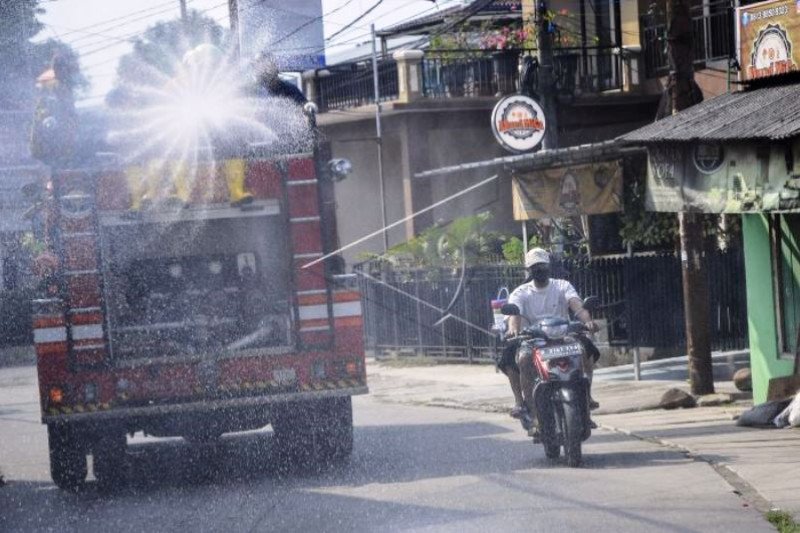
x,y
180,190
152,183
234,170
135,178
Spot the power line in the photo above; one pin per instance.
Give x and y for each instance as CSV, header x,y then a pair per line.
x,y
128,22
104,22
361,16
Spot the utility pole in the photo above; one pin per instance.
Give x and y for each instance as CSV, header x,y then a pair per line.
x,y
184,13
233,16
544,53
379,139
695,282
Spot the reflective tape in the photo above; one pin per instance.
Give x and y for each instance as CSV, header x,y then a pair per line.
x,y
313,312
93,331
347,309
43,335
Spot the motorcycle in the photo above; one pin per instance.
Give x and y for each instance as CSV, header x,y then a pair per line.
x,y
561,387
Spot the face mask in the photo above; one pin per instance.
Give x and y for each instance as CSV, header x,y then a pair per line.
x,y
540,275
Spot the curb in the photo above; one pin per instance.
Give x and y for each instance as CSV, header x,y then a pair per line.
x,y
740,486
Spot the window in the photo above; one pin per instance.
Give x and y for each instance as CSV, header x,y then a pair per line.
x,y
785,231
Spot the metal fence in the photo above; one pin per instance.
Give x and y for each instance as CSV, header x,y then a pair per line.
x,y
640,299
473,73
352,85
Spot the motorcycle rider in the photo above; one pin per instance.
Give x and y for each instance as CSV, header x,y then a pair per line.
x,y
541,295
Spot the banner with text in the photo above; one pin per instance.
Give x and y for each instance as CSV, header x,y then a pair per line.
x,y
568,191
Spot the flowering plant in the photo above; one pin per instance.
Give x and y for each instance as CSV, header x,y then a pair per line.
x,y
506,38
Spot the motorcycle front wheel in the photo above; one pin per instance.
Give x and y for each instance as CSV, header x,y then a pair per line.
x,y
573,434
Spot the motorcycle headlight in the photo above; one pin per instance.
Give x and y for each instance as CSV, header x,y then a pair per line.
x,y
555,331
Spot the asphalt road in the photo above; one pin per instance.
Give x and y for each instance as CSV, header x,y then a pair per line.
x,y
414,468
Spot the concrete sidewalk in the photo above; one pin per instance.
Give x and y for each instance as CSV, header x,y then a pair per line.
x,y
762,464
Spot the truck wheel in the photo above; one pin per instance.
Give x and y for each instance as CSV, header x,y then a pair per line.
x,y
320,430
110,459
67,457
573,438
334,441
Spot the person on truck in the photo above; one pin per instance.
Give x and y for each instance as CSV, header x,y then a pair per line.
x,y
196,77
269,82
541,295
55,123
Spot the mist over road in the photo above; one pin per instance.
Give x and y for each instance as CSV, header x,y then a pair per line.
x,y
413,468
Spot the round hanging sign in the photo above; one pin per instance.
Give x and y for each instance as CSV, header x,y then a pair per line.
x,y
518,123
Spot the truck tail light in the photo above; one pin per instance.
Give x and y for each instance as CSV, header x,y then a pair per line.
x,y
352,368
56,395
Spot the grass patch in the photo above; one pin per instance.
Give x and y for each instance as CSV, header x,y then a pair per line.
x,y
783,521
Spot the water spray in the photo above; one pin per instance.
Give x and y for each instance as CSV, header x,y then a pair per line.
x,y
402,220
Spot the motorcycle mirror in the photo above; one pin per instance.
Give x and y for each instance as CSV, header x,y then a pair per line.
x,y
510,310
591,303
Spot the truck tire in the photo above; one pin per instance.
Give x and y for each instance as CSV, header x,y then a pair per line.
x,y
320,431
335,438
68,466
109,455
573,437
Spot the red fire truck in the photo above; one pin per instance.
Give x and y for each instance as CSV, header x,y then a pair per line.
x,y
195,321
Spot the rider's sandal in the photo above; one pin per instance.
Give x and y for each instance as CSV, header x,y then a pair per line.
x,y
517,411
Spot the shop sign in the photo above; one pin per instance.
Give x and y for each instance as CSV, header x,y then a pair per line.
x,y
518,123
768,35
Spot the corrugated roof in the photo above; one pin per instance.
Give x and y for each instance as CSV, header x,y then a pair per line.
x,y
771,113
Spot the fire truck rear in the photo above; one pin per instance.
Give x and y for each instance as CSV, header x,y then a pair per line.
x,y
195,320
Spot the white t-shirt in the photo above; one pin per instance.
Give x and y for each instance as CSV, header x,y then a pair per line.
x,y
552,300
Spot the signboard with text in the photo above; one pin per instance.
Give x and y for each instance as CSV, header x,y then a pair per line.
x,y
768,38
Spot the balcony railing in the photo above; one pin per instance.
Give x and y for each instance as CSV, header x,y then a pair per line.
x,y
466,74
471,73
352,85
713,40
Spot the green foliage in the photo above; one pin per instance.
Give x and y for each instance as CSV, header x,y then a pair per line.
x,y
21,60
783,521
645,228
446,245
158,52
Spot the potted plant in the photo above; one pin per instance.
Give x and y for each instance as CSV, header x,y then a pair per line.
x,y
505,44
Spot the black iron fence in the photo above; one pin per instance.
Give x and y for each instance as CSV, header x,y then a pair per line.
x,y
474,73
352,84
640,300
712,33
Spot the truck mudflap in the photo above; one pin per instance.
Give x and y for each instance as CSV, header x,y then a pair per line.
x,y
110,411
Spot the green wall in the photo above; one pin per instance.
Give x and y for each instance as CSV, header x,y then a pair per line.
x,y
765,361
